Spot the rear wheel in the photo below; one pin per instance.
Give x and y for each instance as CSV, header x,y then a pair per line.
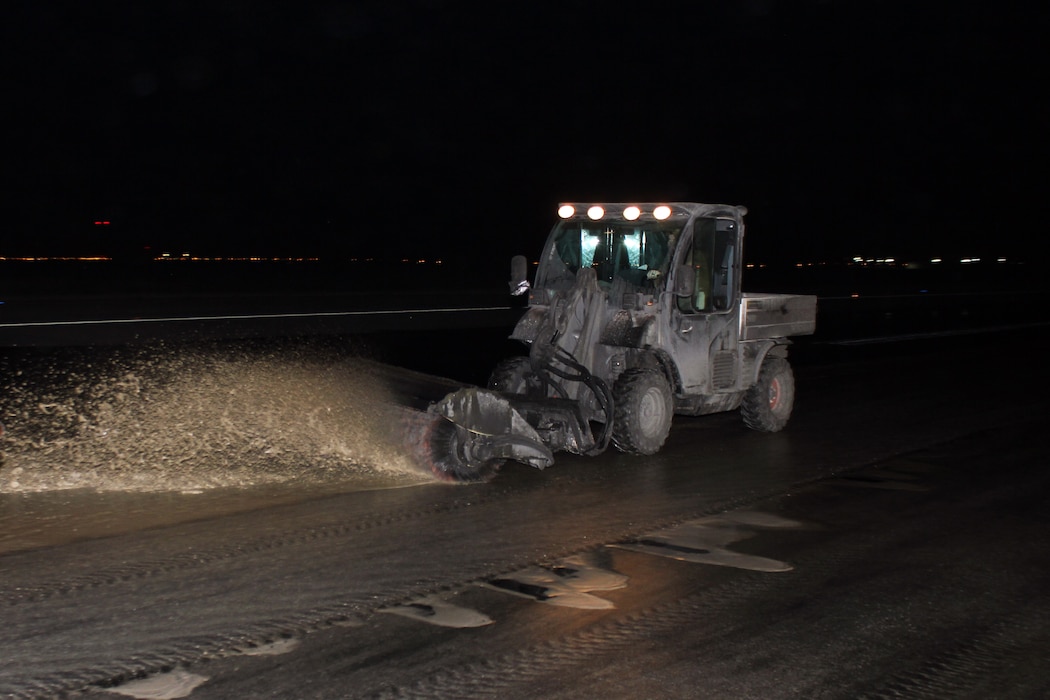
x,y
642,413
767,405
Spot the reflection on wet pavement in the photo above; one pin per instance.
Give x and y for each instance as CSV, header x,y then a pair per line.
x,y
894,475
34,520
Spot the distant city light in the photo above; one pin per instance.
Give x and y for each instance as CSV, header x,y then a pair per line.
x,y
188,256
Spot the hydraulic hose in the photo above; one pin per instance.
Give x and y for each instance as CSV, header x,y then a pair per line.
x,y
598,387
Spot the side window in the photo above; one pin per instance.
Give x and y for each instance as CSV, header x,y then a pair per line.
x,y
713,259
724,270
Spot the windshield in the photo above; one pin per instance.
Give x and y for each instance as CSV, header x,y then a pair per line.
x,y
637,253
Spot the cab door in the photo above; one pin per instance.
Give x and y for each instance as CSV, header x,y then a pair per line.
x,y
705,323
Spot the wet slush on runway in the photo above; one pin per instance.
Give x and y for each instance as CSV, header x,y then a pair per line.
x,y
377,579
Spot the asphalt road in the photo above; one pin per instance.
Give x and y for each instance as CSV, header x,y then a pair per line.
x,y
889,543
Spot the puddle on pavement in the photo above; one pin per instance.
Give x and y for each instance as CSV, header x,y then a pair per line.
x,y
163,686
568,584
705,541
435,611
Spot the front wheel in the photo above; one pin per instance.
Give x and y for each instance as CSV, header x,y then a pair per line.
x,y
642,411
514,375
767,405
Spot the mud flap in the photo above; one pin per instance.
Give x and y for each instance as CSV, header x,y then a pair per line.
x,y
491,429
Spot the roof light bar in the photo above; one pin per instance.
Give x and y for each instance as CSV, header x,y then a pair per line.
x,y
630,212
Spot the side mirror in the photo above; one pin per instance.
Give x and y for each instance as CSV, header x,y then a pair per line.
x,y
519,275
684,281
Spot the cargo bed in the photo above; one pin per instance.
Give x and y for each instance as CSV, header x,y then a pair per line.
x,y
777,315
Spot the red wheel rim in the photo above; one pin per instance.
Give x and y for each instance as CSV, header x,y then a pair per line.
x,y
774,393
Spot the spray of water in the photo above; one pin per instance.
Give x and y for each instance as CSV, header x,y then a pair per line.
x,y
164,418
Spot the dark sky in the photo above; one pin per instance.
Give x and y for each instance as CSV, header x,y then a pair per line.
x,y
451,128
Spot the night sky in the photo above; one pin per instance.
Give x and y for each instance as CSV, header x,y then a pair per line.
x,y
430,128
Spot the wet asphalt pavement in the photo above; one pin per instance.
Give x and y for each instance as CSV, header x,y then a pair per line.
x,y
907,501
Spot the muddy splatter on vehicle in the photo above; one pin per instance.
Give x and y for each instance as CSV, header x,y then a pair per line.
x,y
635,314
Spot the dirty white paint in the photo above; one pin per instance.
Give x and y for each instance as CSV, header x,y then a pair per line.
x,y
705,541
274,648
567,584
435,611
175,684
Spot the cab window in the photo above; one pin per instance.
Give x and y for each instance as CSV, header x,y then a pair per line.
x,y
712,255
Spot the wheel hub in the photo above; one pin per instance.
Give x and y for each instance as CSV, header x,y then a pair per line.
x,y
651,412
774,393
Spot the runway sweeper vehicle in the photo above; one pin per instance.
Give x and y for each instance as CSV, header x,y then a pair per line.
x,y
635,314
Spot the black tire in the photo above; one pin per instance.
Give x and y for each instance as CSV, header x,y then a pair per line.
x,y
767,405
642,411
514,376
